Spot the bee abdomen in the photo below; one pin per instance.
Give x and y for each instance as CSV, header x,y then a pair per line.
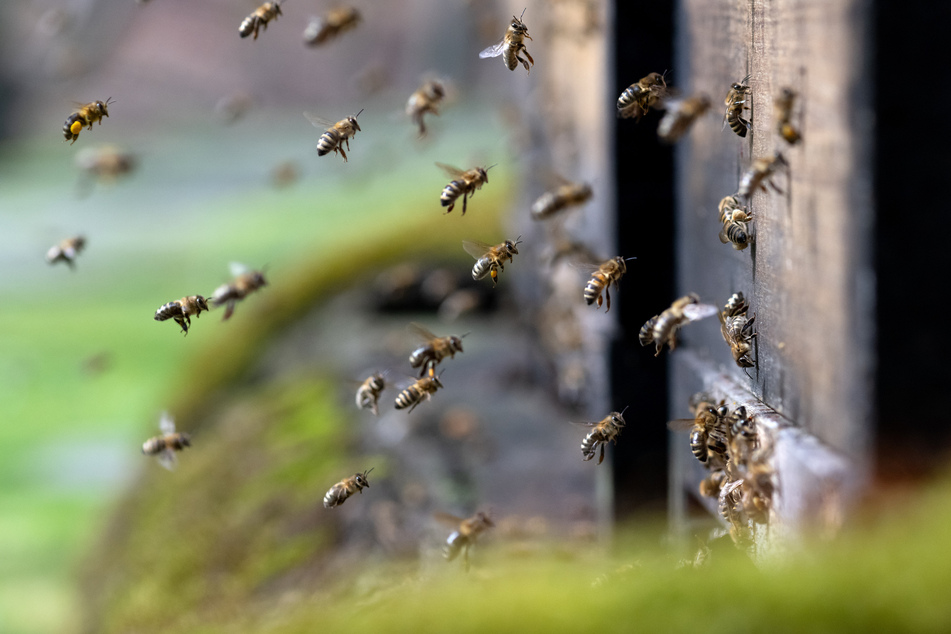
x,y
451,192
68,128
153,446
627,98
168,311
454,545
328,142
409,396
481,268
508,56
548,204
698,444
336,496
646,334
589,446
247,26
593,288
737,123
736,234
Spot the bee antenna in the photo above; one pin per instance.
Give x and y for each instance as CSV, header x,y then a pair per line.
x,y
518,240
359,113
624,410
523,13
463,336
365,473
490,166
629,259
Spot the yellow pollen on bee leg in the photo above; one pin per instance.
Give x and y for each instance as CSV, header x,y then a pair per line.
x,y
76,127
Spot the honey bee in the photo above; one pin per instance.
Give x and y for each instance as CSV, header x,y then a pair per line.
x,y
743,436
735,103
637,99
432,350
490,259
737,329
163,447
461,539
710,486
680,116
759,480
66,251
662,328
462,184
336,21
336,134
708,433
84,116
564,196
244,283
339,492
759,175
601,280
511,45
731,508
783,108
105,163
735,228
607,430
261,16
368,394
421,390
425,99
181,310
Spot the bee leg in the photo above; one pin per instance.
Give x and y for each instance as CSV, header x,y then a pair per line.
x,y
607,293
229,309
342,153
601,459
451,206
465,557
495,276
465,198
775,187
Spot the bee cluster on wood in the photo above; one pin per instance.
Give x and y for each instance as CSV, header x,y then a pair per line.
x,y
726,442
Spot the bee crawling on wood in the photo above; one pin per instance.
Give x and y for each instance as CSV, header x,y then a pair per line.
x,y
737,329
735,219
84,116
736,100
709,434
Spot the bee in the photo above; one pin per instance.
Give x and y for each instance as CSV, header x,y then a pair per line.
x,y
759,480
163,447
637,99
735,105
261,16
759,175
244,283
462,184
710,486
106,163
433,349
680,116
336,21
461,539
743,436
730,507
368,394
181,310
339,492
84,116
490,259
601,280
608,429
735,228
66,251
511,45
564,196
336,134
425,99
708,434
783,107
421,390
662,328
737,329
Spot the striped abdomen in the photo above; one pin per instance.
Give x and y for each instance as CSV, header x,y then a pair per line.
x,y
736,122
451,192
698,443
328,142
169,311
454,545
594,287
735,233
158,444
424,355
628,97
590,444
736,305
74,123
336,496
717,440
646,334
410,397
482,267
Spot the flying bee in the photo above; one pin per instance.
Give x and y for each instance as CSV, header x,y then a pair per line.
x,y
707,431
421,390
511,45
759,175
735,102
564,196
783,109
490,259
181,310
261,16
432,350
84,116
336,134
336,21
426,99
164,446
737,329
601,279
663,328
465,535
244,283
607,430
66,251
680,116
105,163
339,492
368,394
462,184
735,219
637,99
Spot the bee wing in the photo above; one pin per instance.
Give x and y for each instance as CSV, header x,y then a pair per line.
x,y
319,122
584,423
475,248
585,267
448,519
168,459
493,51
167,423
237,268
421,331
681,424
455,172
693,312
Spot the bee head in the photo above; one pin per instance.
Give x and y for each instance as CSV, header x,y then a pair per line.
x,y
201,303
377,382
512,247
361,478
455,343
103,106
485,518
618,417
353,120
186,439
258,278
436,381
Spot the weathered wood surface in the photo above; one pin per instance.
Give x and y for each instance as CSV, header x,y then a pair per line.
x,y
809,273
